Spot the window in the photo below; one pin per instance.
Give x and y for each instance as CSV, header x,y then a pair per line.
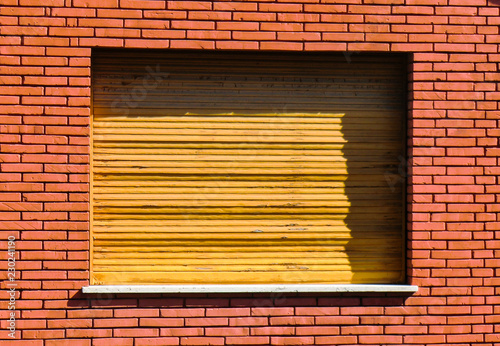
x,y
247,168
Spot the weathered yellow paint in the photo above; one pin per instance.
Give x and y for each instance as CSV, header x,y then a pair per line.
x,y
245,277
283,172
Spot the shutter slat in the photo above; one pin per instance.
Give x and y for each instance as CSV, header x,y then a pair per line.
x,y
263,277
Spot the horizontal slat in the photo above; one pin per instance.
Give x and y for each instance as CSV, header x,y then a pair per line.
x,y
340,132
326,172
243,153
237,164
267,138
366,231
173,159
207,267
223,102
179,192
275,254
285,208
208,246
220,182
117,214
239,108
189,87
283,261
253,146
245,66
244,196
255,222
262,123
292,205
246,277
250,236
264,70
283,116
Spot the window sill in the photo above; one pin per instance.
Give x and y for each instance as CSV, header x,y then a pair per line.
x,y
248,288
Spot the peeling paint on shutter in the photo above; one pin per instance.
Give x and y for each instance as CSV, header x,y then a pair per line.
x,y
241,168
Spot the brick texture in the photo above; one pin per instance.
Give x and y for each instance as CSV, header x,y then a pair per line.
x,y
453,216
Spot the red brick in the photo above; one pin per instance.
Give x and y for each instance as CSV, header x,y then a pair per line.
x,y
280,7
236,45
234,6
182,331
357,330
273,331
114,322
72,342
162,322
406,330
292,340
340,36
185,312
89,333
424,338
43,334
136,313
425,320
367,46
214,321
165,14
227,312
225,331
387,37
141,4
272,311
375,18
317,311
192,44
361,310
326,46
380,339
135,332
155,341
27,343
491,337
253,36
118,13
335,340
295,17
114,341
193,340
449,310
318,330
44,216
337,320
247,340
91,313
187,5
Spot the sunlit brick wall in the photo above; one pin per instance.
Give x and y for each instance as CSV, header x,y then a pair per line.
x,y
453,168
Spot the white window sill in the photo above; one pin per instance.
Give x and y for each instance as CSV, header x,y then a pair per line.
x,y
248,288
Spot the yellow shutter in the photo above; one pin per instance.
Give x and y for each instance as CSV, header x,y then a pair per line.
x,y
241,168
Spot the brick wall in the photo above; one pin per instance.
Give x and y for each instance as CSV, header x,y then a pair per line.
x,y
454,193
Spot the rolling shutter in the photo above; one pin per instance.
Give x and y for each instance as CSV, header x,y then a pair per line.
x,y
241,168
